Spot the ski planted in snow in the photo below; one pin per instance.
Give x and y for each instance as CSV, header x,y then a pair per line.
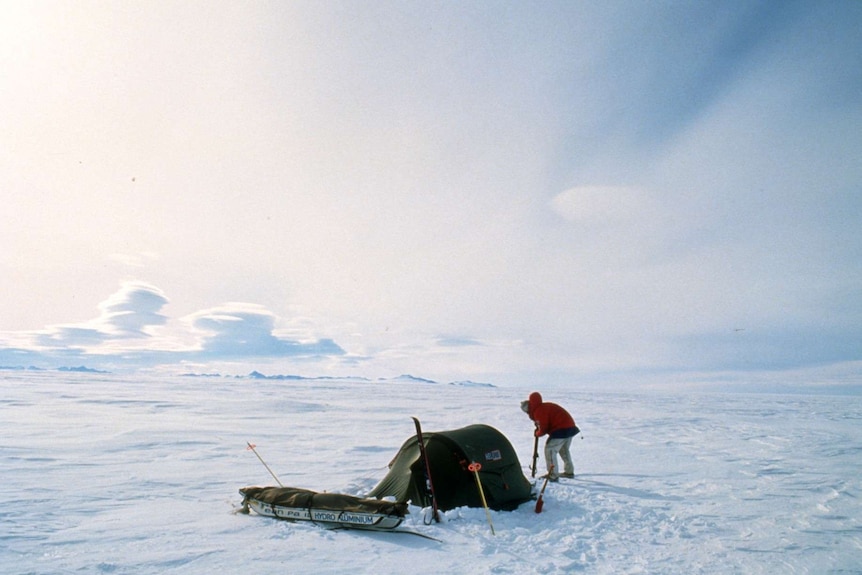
x,y
429,482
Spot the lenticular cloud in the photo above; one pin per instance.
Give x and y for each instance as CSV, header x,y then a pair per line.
x,y
126,314
242,329
133,308
131,329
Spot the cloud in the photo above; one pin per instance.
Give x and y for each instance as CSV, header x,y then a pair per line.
x,y
603,205
70,336
134,260
131,310
131,331
616,223
244,330
458,341
128,314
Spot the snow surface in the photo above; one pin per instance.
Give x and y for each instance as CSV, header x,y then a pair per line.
x,y
117,474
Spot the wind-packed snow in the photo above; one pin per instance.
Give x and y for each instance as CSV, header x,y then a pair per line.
x,y
116,474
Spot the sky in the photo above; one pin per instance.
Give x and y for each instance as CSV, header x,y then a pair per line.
x,y
492,191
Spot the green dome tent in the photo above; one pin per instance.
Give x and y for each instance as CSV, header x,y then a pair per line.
x,y
449,454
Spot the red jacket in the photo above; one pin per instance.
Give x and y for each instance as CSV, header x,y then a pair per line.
x,y
550,418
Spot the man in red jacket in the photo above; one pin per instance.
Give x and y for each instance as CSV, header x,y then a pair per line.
x,y
558,424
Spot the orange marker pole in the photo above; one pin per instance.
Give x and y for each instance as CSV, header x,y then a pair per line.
x,y
252,447
475,467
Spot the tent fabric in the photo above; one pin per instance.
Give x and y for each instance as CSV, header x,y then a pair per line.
x,y
450,453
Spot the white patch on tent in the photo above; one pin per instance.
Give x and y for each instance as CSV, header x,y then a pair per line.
x,y
493,455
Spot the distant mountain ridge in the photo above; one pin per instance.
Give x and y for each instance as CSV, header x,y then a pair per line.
x,y
79,369
406,377
403,378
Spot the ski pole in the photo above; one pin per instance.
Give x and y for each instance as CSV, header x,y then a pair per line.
x,y
535,455
475,467
252,447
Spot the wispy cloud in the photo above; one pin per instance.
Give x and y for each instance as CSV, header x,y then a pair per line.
x,y
134,260
455,341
